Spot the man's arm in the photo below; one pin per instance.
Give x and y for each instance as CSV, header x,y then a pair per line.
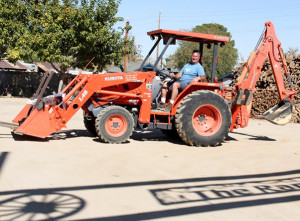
x,y
201,75
201,78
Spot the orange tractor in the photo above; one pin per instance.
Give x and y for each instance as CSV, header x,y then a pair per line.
x,y
202,115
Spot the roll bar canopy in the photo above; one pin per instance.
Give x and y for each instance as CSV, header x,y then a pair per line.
x,y
170,36
188,36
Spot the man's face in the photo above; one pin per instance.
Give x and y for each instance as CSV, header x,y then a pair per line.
x,y
195,58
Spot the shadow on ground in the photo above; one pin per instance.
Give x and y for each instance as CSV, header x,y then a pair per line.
x,y
155,135
252,137
44,205
3,158
62,135
216,193
137,135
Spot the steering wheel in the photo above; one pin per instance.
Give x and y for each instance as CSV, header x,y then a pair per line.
x,y
162,73
159,72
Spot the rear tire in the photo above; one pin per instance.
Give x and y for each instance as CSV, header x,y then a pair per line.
x,y
203,118
89,123
114,124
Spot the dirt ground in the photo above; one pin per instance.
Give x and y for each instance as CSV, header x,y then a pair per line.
x,y
254,175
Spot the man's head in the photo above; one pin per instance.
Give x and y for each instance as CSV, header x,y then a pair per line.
x,y
195,56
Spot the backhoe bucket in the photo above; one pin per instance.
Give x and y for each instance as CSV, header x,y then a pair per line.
x,y
280,114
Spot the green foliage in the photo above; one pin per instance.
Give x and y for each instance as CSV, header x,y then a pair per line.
x,y
69,32
12,18
227,55
96,36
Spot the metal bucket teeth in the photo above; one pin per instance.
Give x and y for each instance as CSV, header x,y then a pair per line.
x,y
280,114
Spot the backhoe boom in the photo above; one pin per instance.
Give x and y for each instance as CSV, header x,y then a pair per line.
x,y
268,47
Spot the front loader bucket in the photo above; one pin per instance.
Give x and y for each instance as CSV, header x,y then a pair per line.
x,y
43,116
23,114
40,123
33,119
280,114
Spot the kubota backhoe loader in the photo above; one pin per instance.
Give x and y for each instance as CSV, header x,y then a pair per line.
x,y
202,115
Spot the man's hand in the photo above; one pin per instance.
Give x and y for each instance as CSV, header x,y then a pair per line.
x,y
195,80
172,75
176,76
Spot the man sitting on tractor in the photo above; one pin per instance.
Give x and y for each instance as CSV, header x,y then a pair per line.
x,y
192,72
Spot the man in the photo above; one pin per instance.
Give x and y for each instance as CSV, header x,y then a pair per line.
x,y
191,73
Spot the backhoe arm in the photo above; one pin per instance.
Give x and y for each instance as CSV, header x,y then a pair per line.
x,y
268,47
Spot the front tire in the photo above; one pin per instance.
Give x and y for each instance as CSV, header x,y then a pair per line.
x,y
114,124
203,118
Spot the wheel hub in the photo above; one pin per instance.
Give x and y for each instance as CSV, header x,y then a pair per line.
x,y
116,125
201,119
207,120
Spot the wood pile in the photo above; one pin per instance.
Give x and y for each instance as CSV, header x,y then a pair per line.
x,y
266,95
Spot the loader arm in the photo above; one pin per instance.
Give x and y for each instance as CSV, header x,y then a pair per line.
x,y
268,47
43,120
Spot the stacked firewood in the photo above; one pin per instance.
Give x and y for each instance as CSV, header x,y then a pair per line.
x,y
266,95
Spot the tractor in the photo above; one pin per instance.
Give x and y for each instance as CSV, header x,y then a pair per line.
x,y
114,104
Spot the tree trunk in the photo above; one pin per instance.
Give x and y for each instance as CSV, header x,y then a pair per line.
x,y
62,75
61,83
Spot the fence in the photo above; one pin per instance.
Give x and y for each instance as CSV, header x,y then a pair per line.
x,y
24,84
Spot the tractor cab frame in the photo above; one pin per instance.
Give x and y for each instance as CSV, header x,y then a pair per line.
x,y
170,37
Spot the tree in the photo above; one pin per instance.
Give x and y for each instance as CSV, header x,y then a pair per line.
x,y
136,53
71,33
12,18
292,51
227,55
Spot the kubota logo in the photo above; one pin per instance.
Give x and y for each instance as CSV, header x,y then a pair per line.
x,y
113,78
221,37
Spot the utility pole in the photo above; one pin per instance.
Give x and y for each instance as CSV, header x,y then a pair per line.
x,y
157,52
126,46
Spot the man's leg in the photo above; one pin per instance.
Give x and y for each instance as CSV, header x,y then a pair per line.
x,y
176,87
164,93
175,90
163,96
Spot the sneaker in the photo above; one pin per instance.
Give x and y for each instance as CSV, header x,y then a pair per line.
x,y
168,107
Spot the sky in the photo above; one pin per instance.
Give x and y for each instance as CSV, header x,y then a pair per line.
x,y
244,20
